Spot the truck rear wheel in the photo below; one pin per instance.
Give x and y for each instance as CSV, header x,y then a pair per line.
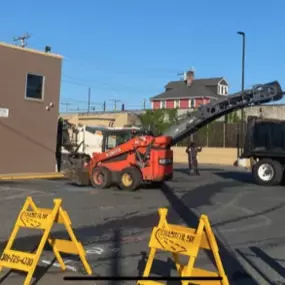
x,y
268,172
101,177
130,179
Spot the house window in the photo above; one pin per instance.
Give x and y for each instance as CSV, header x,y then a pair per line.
x,y
220,89
223,90
34,87
162,104
191,103
177,104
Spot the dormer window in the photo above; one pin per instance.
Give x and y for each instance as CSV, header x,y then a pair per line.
x,y
222,90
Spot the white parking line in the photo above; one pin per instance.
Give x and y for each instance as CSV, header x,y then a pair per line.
x,y
91,251
55,264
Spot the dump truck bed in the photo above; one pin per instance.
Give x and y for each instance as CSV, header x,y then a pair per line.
x,y
264,137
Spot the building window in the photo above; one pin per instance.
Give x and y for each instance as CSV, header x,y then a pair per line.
x,y
162,104
177,104
223,90
191,103
220,89
34,86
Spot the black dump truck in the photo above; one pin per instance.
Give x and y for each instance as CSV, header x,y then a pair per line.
x,y
265,147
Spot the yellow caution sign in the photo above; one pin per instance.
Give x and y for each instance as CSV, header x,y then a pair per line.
x,y
185,241
43,219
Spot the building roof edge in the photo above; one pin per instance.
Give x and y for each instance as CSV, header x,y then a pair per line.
x,y
2,44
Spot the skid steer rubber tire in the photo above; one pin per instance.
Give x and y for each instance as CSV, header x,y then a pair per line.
x,y
268,172
101,177
130,179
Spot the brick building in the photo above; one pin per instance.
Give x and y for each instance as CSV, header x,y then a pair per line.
x,y
29,108
190,92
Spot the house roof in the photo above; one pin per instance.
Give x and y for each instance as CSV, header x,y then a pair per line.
x,y
205,81
198,88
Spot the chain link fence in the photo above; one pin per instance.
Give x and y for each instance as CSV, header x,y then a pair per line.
x,y
218,134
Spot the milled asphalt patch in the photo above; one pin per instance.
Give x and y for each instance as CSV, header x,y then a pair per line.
x,y
115,226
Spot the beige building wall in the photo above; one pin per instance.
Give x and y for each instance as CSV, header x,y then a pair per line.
x,y
268,111
209,155
103,119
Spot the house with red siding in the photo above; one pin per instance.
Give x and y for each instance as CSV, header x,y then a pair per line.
x,y
190,93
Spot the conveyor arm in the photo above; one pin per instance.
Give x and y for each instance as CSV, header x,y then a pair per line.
x,y
190,123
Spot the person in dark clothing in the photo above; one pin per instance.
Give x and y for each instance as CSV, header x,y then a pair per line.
x,y
192,151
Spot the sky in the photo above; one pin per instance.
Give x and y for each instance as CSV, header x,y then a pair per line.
x,y
128,50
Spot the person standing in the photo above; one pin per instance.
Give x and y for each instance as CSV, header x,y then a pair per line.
x,y
192,151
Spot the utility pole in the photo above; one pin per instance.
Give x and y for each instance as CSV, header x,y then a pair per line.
x,y
242,34
243,59
89,98
115,103
144,104
22,39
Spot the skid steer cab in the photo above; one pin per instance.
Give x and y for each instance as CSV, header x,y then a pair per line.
x,y
128,160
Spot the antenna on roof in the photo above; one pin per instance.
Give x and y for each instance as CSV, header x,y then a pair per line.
x,y
185,73
22,39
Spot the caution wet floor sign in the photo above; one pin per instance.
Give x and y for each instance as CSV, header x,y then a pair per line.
x,y
43,219
179,240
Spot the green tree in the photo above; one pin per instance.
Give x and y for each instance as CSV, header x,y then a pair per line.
x,y
158,120
233,117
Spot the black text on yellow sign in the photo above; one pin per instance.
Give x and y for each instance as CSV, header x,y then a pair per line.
x,y
31,219
172,240
41,218
180,240
14,258
178,236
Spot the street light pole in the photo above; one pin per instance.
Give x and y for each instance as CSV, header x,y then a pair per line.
x,y
242,84
243,59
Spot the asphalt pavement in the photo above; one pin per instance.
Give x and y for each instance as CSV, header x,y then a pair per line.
x,y
115,226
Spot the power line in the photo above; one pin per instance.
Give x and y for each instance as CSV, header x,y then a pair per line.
x,y
66,104
158,70
71,102
85,83
81,102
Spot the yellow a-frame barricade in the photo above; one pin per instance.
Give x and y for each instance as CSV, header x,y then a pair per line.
x,y
185,241
42,219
